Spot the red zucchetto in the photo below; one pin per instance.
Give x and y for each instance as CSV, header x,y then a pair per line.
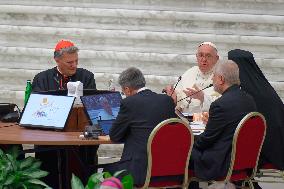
x,y
62,44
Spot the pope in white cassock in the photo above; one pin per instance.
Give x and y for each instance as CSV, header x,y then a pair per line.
x,y
196,78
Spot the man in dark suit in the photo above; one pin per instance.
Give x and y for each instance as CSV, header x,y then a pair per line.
x,y
211,153
139,113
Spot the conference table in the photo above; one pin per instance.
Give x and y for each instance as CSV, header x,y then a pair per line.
x,y
12,133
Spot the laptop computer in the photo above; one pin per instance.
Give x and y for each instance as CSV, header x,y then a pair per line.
x,y
105,125
46,111
102,109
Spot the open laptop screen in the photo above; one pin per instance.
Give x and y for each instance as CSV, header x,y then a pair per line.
x,y
102,106
105,125
46,111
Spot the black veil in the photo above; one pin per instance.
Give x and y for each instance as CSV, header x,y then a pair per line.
x,y
268,103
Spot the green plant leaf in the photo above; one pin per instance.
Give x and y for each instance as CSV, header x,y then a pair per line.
x,y
36,182
27,162
76,183
3,171
107,175
12,162
95,180
127,182
20,174
117,173
10,179
14,151
7,167
24,186
36,165
1,152
35,173
34,187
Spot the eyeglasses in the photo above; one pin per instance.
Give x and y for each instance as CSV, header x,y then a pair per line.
x,y
207,56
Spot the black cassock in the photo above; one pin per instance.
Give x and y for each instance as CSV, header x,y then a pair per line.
x,y
51,80
268,103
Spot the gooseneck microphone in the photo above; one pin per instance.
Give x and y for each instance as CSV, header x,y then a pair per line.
x,y
179,78
165,91
195,93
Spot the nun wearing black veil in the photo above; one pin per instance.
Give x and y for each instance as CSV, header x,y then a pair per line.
x,y
268,103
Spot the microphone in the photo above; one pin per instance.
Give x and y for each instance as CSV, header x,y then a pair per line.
x,y
195,92
165,91
179,78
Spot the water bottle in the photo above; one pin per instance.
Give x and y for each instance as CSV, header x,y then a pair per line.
x,y
28,91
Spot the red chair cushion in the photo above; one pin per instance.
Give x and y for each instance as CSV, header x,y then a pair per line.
x,y
170,148
249,143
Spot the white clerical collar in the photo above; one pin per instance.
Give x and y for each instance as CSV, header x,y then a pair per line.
x,y
58,70
142,89
61,72
205,76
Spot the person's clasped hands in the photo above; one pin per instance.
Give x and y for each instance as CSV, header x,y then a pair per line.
x,y
194,93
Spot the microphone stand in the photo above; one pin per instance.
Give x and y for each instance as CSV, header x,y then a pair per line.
x,y
179,78
195,93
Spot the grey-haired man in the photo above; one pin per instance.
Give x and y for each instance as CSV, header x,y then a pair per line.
x,y
139,113
66,58
212,149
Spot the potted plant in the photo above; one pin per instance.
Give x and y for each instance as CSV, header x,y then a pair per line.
x,y
20,174
96,179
